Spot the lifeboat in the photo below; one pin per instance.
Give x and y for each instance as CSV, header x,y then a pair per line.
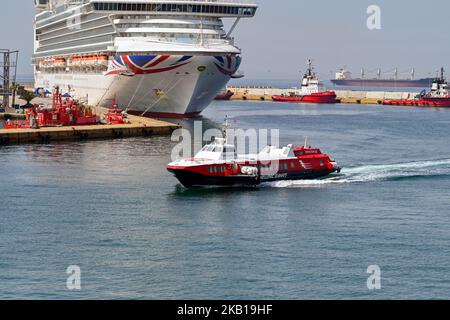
x,y
59,62
75,61
310,91
103,60
218,165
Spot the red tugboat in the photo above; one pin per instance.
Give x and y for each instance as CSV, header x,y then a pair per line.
x,y
309,92
218,165
438,96
115,114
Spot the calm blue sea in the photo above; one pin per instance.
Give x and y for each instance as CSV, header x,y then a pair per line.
x,y
111,208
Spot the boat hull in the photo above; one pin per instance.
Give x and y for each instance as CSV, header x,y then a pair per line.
x,y
194,179
421,83
321,97
437,102
425,102
179,86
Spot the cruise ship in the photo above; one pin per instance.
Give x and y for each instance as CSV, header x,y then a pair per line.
x,y
152,57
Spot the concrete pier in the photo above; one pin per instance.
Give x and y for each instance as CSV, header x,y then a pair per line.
x,y
343,96
138,126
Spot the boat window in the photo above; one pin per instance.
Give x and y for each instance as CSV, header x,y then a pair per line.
x,y
210,169
218,149
293,165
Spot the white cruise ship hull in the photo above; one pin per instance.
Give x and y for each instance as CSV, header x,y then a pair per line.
x,y
148,84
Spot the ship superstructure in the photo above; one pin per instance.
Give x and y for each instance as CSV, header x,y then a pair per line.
x,y
166,58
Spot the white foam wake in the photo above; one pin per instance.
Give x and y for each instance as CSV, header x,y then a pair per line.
x,y
368,173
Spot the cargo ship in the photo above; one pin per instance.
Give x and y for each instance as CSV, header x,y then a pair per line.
x,y
344,78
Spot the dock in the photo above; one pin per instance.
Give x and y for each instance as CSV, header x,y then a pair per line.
x,y
343,96
137,127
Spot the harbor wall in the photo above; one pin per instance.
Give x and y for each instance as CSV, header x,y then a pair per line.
x,y
135,127
344,96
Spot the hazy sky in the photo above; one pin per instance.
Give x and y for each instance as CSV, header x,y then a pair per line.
x,y
277,42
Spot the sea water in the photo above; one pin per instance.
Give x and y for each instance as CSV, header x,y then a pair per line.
x,y
112,209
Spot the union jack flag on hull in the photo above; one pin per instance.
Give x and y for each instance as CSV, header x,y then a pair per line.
x,y
130,65
228,65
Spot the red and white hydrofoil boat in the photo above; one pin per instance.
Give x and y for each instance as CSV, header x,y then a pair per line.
x,y
310,91
217,164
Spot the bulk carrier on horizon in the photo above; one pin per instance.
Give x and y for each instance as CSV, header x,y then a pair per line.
x,y
156,58
344,78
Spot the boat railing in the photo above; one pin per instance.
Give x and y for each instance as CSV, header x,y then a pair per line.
x,y
244,2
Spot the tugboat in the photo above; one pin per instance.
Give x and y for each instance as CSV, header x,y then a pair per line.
x,y
218,164
438,96
309,92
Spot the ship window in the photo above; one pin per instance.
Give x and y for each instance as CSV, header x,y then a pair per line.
x,y
293,165
210,169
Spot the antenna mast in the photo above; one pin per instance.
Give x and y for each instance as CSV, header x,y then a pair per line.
x,y
8,74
